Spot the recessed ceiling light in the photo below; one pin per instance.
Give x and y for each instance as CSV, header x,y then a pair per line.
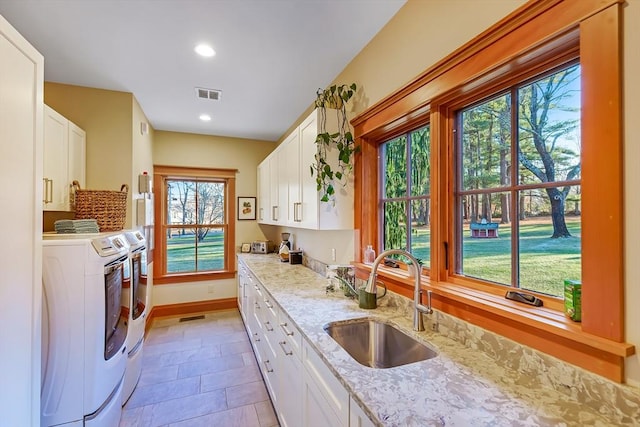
x,y
205,117
205,50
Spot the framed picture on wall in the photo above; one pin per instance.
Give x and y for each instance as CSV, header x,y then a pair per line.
x,y
246,208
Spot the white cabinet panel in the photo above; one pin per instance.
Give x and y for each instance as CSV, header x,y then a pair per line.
x,y
56,161
285,181
64,160
322,390
77,158
264,192
357,417
21,91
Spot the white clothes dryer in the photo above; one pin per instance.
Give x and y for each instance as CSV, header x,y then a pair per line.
x,y
83,333
134,300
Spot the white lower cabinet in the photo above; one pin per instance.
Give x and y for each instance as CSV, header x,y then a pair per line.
x,y
303,389
325,402
289,390
357,417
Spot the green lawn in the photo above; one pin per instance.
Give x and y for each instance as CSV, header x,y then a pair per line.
x,y
181,253
544,262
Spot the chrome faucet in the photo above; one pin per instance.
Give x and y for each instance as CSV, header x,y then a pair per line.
x,y
418,308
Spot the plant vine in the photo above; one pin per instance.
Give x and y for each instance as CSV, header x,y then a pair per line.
x,y
329,172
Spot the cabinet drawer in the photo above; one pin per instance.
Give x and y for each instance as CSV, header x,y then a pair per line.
x,y
334,393
291,334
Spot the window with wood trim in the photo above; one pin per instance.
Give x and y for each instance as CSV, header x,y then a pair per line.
x,y
537,41
520,226
195,213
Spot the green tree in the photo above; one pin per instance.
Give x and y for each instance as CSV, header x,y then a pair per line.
x,y
542,150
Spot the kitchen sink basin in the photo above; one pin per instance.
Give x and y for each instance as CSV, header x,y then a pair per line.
x,y
377,344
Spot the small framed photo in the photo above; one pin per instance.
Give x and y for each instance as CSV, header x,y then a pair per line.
x,y
246,248
246,208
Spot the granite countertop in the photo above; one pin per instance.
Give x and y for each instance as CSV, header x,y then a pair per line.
x,y
459,387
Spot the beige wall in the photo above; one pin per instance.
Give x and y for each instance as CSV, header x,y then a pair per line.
x,y
106,116
184,149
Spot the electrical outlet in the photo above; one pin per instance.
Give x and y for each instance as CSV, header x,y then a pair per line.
x,y
435,326
333,254
210,289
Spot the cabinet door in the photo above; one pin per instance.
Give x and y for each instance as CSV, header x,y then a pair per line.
x,y
357,417
77,158
21,88
275,211
308,188
56,161
264,199
290,174
289,389
325,400
316,410
242,280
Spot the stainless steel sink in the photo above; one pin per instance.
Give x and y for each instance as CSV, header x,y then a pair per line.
x,y
377,344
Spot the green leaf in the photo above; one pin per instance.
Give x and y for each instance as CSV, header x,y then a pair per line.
x,y
348,136
325,198
339,175
330,190
327,169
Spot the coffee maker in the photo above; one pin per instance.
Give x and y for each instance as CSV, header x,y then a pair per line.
x,y
285,240
285,247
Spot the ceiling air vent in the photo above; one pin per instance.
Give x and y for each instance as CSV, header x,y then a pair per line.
x,y
213,94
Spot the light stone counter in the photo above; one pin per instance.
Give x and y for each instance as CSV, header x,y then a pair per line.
x,y
463,386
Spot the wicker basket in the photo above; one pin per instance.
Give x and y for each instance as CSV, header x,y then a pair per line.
x,y
108,208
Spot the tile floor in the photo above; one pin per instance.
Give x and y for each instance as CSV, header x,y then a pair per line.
x,y
199,373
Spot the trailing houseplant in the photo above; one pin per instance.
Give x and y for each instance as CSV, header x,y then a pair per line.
x,y
328,173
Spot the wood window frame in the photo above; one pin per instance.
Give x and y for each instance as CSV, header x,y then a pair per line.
x,y
537,36
160,175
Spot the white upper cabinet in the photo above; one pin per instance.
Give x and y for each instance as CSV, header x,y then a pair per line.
x,y
274,189
64,160
299,202
264,196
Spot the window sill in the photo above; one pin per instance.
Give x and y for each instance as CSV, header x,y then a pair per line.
x,y
193,277
542,328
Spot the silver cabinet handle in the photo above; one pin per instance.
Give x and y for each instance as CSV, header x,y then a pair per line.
x,y
45,188
267,327
261,214
50,198
256,305
287,353
267,367
256,337
297,212
283,326
48,190
268,304
274,213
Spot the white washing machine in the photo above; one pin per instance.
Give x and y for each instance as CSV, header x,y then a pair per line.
x,y
83,333
134,298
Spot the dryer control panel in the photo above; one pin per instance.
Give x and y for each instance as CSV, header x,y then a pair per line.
x,y
110,245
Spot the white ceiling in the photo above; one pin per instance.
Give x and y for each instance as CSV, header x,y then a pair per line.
x,y
271,55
